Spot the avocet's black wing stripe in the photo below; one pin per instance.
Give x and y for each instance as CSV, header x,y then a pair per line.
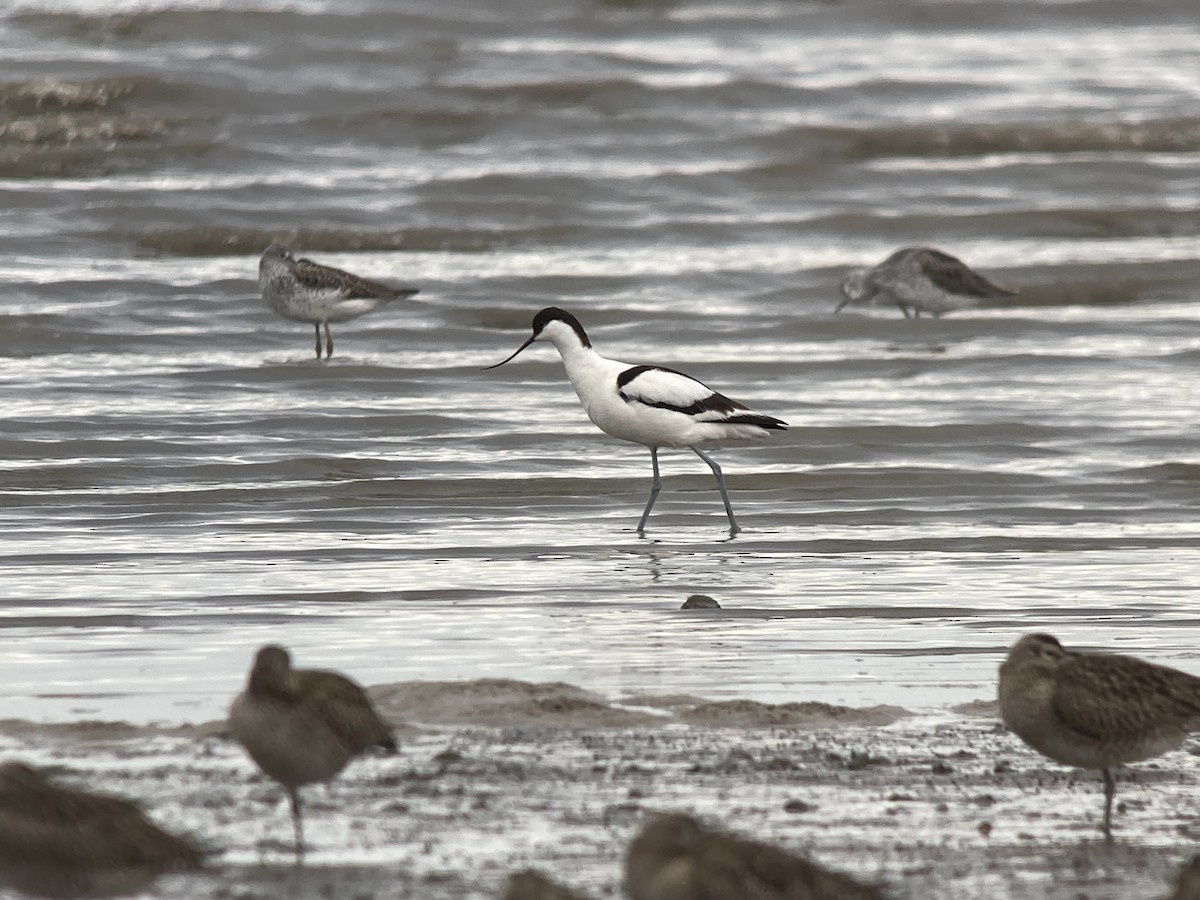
x,y
662,388
630,374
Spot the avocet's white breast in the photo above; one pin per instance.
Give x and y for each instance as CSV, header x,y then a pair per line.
x,y
649,405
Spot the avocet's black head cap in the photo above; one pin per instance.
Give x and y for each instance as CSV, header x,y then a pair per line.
x,y
541,321
554,314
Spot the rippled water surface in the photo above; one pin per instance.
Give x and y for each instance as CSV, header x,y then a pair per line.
x,y
180,481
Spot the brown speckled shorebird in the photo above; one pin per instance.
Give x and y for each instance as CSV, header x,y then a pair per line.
x,y
920,279
303,725
305,291
531,885
67,842
1187,883
1095,710
675,858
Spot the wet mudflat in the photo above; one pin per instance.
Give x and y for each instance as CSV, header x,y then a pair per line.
x,y
945,806
181,482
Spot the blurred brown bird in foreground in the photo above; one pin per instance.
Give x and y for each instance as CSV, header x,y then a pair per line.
x,y
1095,710
1187,886
675,858
57,841
303,725
531,885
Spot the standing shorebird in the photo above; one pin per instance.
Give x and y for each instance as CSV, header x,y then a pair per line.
x,y
305,291
303,725
648,405
920,279
674,858
1095,710
58,841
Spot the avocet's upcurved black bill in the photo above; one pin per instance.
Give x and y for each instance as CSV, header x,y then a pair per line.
x,y
532,338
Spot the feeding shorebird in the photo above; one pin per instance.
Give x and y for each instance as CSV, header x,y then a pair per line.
x,y
305,291
648,405
674,857
58,841
1095,710
920,279
303,725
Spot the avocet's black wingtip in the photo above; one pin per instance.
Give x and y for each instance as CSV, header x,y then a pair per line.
x,y
769,422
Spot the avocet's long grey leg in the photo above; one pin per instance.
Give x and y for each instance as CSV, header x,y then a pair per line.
x,y
317,326
328,342
716,470
655,487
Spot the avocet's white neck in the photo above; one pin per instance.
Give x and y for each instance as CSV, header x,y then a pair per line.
x,y
564,337
573,346
586,369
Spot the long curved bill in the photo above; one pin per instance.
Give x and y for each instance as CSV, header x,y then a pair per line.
x,y
514,353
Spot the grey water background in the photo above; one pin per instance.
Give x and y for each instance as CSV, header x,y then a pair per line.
x,y
180,481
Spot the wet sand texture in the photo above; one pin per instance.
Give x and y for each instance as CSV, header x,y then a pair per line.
x,y
949,807
509,703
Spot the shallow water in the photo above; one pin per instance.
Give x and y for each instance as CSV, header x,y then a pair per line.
x,y
180,481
